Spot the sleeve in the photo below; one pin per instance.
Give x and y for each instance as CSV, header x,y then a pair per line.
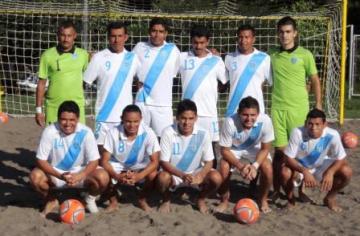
x,y
268,135
43,67
267,71
45,145
91,149
291,150
92,70
226,133
165,146
152,145
177,61
221,71
108,142
310,65
207,152
337,150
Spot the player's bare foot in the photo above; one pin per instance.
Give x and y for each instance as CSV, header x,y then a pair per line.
x,y
202,206
222,207
144,205
49,207
330,202
264,207
113,206
165,207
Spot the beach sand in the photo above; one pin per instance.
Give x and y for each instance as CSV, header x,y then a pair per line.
x,y
19,204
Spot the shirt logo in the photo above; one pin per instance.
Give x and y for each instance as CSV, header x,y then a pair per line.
x,y
294,60
303,146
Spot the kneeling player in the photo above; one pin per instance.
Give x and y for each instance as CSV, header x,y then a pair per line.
x,y
316,157
186,157
131,155
67,156
247,134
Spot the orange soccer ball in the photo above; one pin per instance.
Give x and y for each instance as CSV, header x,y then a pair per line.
x,y
349,139
4,118
246,211
72,211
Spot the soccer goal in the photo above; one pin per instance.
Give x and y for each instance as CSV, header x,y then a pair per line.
x,y
28,28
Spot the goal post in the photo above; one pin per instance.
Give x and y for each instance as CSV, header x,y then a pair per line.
x,y
27,30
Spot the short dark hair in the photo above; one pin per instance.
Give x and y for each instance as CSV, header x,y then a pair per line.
x,y
199,31
185,105
248,102
316,113
246,27
66,24
116,25
68,106
287,20
131,108
158,21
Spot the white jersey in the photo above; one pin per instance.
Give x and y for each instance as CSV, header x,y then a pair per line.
x,y
159,65
134,154
199,79
67,152
114,73
247,73
186,153
311,153
234,136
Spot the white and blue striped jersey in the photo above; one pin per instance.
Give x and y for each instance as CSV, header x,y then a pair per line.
x,y
311,152
186,153
247,73
159,65
114,73
134,154
199,79
67,152
234,136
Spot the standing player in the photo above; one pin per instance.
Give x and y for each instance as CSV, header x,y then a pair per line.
x,y
63,66
247,134
200,71
316,156
247,70
114,68
291,66
131,155
186,157
67,157
159,65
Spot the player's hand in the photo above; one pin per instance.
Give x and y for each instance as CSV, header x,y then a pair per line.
x,y
327,182
122,177
40,119
252,172
309,180
187,178
75,178
133,179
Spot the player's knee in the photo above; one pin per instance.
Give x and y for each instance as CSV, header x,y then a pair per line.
x,y
102,178
163,178
285,173
224,168
266,169
36,177
346,172
215,178
151,176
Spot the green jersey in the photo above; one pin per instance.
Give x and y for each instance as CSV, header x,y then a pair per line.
x,y
64,70
290,71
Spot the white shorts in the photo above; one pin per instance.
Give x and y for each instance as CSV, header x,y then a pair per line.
x,y
244,154
317,172
58,183
178,182
210,124
101,129
118,168
156,117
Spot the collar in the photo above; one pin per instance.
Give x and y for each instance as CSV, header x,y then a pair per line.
x,y
289,50
151,45
113,51
239,53
209,54
60,49
122,135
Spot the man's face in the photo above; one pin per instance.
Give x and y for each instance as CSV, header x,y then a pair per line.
x,y
246,40
315,127
186,121
199,45
248,117
117,39
66,38
287,35
68,122
158,35
131,122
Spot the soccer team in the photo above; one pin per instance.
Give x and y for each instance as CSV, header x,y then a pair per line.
x,y
137,142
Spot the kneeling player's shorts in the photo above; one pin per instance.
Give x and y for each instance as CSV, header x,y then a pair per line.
x,y
156,117
119,168
59,183
244,154
101,128
284,121
317,172
178,182
210,124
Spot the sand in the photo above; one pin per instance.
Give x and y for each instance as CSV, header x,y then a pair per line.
x,y
19,204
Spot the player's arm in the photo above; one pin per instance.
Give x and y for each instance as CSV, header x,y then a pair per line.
x,y
168,167
228,156
152,166
309,179
40,93
328,176
48,169
251,169
316,89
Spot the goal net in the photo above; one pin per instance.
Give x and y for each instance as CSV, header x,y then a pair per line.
x,y
28,28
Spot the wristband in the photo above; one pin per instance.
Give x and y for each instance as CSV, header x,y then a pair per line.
x,y
38,110
256,165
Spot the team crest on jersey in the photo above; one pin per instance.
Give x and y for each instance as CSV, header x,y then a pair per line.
x,y
75,56
233,65
294,60
238,138
303,146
